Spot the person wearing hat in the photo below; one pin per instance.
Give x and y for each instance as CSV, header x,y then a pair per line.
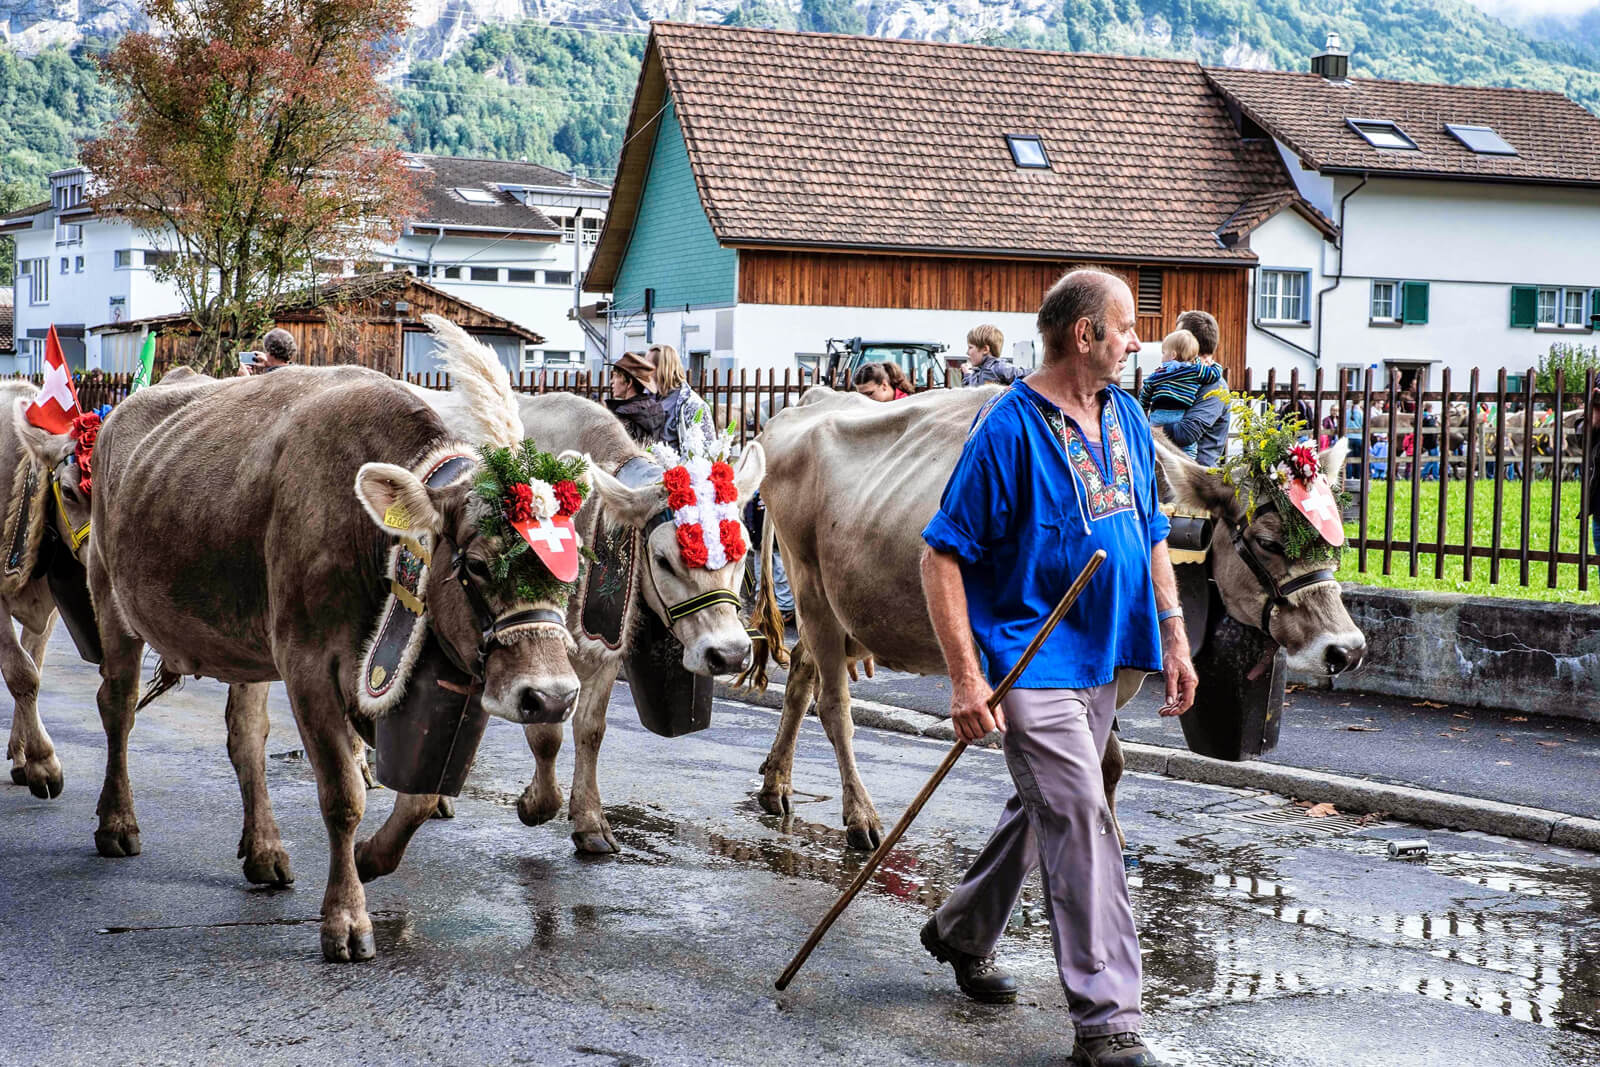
x,y
633,398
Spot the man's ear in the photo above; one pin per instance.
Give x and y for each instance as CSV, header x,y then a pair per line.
x,y
397,500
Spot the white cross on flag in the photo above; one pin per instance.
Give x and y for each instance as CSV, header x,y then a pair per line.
x,y
1315,501
555,542
57,403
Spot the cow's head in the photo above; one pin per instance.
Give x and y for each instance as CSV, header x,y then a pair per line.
x,y
525,671
713,636
54,453
1310,620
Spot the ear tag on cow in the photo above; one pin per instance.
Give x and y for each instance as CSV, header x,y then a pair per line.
x,y
555,542
397,517
1315,501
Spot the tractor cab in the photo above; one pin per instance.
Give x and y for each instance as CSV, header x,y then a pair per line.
x,y
838,365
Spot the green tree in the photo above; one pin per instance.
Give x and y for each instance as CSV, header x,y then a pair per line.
x,y
256,135
831,16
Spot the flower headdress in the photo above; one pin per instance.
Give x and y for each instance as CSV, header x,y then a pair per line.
x,y
1277,460
525,487
702,497
85,430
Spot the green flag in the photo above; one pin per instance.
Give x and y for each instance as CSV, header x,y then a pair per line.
x,y
147,364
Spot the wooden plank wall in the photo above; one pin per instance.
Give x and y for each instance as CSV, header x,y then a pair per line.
x,y
822,279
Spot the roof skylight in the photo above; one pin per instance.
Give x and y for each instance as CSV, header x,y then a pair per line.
x,y
1481,139
1027,151
474,195
1381,133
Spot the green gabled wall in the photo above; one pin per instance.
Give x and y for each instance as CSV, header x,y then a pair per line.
x,y
672,248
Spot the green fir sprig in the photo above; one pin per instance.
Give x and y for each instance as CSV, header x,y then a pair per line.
x,y
499,468
1266,439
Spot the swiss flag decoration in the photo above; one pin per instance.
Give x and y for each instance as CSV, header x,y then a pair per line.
x,y
57,403
1314,499
555,542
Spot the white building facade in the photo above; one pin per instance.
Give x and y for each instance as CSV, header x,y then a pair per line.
x,y
512,238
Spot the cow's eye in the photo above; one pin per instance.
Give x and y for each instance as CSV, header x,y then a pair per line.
x,y
1269,544
478,569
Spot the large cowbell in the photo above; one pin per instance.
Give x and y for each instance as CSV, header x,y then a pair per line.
x,y
1235,716
427,742
69,585
672,701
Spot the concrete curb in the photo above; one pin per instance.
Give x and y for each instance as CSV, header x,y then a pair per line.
x,y
1356,796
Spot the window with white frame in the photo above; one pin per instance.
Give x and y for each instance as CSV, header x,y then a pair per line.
x,y
485,274
1573,312
1281,296
123,257
1385,302
558,277
521,276
37,272
1549,309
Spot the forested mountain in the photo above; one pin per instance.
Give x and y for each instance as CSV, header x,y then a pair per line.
x,y
560,96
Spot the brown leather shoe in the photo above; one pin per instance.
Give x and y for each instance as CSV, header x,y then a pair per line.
x,y
978,976
1112,1050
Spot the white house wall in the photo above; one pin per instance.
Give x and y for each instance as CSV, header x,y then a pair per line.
x,y
1286,241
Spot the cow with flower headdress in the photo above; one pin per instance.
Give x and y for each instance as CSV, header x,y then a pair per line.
x,y
658,600
410,613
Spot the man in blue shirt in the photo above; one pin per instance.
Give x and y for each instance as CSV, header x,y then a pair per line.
x,y
1059,465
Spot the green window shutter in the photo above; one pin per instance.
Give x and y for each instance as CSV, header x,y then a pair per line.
x,y
1524,305
1414,302
1594,309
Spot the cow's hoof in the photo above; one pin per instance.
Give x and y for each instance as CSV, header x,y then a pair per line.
x,y
341,945
44,778
596,844
865,838
268,866
534,810
776,801
115,843
445,809
19,776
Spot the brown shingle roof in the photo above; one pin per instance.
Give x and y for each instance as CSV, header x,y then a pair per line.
x,y
821,140
440,176
1261,207
1556,139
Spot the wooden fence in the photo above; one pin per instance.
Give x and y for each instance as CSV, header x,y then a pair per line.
x,y
1481,438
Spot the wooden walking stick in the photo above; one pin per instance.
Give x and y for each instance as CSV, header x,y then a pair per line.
x,y
954,754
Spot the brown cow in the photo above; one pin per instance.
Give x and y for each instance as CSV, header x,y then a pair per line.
x,y
242,557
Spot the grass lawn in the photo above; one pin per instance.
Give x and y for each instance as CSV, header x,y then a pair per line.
x,y
1400,577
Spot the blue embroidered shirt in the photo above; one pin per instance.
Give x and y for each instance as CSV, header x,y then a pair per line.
x,y
1025,508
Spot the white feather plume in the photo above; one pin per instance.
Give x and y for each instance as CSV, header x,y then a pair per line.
x,y
479,376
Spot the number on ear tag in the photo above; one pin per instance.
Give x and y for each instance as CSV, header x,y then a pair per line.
x,y
397,517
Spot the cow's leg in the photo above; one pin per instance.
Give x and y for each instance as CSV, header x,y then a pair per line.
x,y
32,754
360,749
776,769
827,645
1111,764
260,845
320,714
381,853
118,832
590,830
541,800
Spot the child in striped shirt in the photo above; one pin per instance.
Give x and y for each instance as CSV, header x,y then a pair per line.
x,y
1172,388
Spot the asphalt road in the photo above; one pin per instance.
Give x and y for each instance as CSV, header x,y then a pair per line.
x,y
1263,943
1543,762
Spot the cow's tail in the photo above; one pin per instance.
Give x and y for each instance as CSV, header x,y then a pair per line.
x,y
766,622
162,681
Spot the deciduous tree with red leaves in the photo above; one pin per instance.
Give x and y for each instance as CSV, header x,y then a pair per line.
x,y
254,144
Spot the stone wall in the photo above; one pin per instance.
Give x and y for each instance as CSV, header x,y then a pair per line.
x,y
1490,652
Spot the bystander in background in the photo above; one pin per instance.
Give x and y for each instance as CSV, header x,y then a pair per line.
x,y
984,364
680,404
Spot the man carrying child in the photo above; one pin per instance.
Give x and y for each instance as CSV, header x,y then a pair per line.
x,y
1179,383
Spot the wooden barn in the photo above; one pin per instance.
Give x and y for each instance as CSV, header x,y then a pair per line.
x,y
371,320
779,189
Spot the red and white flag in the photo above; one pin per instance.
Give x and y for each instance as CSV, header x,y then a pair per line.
x,y
57,403
555,542
1314,499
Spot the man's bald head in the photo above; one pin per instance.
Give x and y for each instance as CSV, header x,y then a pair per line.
x,y
1080,294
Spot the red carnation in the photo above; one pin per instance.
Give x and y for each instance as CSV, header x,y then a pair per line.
x,y
83,483
692,544
733,540
568,497
86,426
680,491
722,480
82,458
518,503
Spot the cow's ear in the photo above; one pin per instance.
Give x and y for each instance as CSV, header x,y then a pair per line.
x,y
1332,460
752,469
628,506
46,449
1195,488
397,500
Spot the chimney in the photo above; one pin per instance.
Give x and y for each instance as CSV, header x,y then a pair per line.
x,y
1334,62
